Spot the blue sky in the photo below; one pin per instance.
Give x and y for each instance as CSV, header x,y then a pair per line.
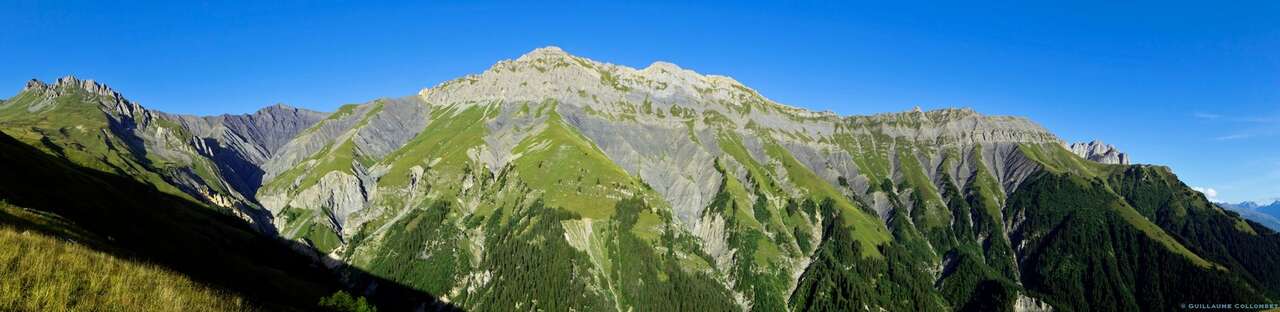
x,y
1195,86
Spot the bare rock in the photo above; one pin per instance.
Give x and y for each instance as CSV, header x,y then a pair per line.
x,y
1100,152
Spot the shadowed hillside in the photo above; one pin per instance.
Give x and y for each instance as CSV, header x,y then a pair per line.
x,y
198,253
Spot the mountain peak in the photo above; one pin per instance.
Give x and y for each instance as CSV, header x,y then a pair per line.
x,y
547,52
34,84
70,81
1100,152
277,107
280,109
550,72
663,65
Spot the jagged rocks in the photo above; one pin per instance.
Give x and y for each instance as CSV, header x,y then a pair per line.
x,y
1100,152
1029,304
338,194
211,159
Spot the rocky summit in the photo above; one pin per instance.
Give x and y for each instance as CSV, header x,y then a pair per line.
x,y
1099,152
557,182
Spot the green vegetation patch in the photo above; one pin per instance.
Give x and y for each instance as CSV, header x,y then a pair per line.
x,y
44,273
572,171
423,252
1087,249
441,147
866,228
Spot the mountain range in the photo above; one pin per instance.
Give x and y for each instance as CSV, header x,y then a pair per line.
x,y
556,182
1266,214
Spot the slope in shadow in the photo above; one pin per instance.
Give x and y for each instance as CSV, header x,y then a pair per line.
x,y
136,221
242,174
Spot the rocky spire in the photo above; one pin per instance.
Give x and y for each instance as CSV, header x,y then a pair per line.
x,y
1099,152
34,84
71,82
87,85
112,102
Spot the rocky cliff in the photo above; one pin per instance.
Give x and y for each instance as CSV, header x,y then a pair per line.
x,y
215,160
744,193
241,144
1100,152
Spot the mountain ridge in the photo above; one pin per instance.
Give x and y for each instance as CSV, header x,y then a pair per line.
x,y
554,172
210,159
1266,214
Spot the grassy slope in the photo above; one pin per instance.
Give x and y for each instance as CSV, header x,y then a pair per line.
x,y
979,275
340,156
48,272
866,228
139,221
1059,161
447,137
1218,235
75,127
1086,251
572,171
441,150
561,184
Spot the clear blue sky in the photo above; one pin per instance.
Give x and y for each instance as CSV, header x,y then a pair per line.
x,y
1192,86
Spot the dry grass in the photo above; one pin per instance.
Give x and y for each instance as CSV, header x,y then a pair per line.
x,y
44,273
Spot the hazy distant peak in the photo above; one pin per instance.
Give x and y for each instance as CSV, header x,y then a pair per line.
x,y
282,107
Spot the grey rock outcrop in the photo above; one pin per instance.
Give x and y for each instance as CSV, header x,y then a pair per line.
x,y
266,130
1029,304
241,144
341,193
398,120
1100,152
369,132
623,110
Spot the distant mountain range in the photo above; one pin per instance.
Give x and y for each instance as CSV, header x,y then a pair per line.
x,y
1268,214
556,182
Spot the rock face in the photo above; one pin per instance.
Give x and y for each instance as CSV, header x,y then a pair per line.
x,y
216,160
624,112
584,136
1100,152
552,174
241,144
